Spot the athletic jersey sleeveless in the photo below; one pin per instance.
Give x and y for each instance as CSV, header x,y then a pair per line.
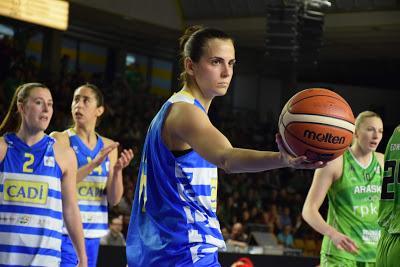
x,y
30,204
173,220
353,207
389,210
92,198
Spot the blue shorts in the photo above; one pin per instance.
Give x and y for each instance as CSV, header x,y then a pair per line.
x,y
68,255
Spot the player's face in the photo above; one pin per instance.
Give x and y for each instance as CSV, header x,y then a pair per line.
x,y
84,106
369,134
38,109
213,73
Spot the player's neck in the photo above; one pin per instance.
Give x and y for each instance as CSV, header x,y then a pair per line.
x,y
88,136
195,91
364,157
29,137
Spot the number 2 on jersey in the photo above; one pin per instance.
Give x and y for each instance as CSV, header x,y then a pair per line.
x,y
388,179
30,159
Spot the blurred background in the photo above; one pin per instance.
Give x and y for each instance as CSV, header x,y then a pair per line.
x,y
129,49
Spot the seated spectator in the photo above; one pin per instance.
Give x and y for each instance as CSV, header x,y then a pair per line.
x,y
114,237
237,237
285,218
285,237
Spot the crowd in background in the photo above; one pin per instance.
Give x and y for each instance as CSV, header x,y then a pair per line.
x,y
269,201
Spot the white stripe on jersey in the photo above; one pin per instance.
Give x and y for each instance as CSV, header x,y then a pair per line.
x,y
93,217
193,251
103,202
215,241
188,213
95,233
40,221
201,176
26,259
34,241
97,179
194,236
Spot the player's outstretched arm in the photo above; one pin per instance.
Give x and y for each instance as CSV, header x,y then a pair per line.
x,y
191,125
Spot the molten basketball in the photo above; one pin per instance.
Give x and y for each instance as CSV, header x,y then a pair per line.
x,y
317,123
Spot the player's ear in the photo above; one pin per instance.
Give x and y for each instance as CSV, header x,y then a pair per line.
x,y
188,63
100,111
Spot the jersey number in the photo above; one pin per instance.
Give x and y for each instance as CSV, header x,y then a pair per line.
x,y
30,158
98,169
388,179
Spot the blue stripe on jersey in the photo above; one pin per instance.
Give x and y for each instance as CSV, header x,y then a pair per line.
x,y
31,210
54,194
95,225
30,250
92,208
30,231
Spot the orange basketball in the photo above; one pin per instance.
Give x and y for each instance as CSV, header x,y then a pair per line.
x,y
317,123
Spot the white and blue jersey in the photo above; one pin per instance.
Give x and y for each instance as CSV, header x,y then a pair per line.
x,y
30,204
92,198
173,219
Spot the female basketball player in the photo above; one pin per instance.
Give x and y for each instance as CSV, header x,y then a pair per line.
x,y
173,220
353,184
389,212
37,185
99,171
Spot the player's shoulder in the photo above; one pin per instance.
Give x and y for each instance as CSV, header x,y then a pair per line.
x,y
60,137
107,141
380,157
3,148
334,168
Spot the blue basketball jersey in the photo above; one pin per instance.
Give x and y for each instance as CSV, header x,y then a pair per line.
x,y
173,219
30,204
92,198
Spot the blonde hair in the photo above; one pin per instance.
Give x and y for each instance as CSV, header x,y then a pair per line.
x,y
364,115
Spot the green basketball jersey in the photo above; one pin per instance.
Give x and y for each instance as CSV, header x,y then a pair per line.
x,y
353,208
389,211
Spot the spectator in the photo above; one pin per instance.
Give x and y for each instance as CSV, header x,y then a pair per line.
x,y
285,237
114,236
238,237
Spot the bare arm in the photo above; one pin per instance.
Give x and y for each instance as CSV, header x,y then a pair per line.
x,y
3,149
84,171
71,213
115,186
322,181
191,126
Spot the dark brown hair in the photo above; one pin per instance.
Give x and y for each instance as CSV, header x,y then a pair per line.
x,y
192,42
